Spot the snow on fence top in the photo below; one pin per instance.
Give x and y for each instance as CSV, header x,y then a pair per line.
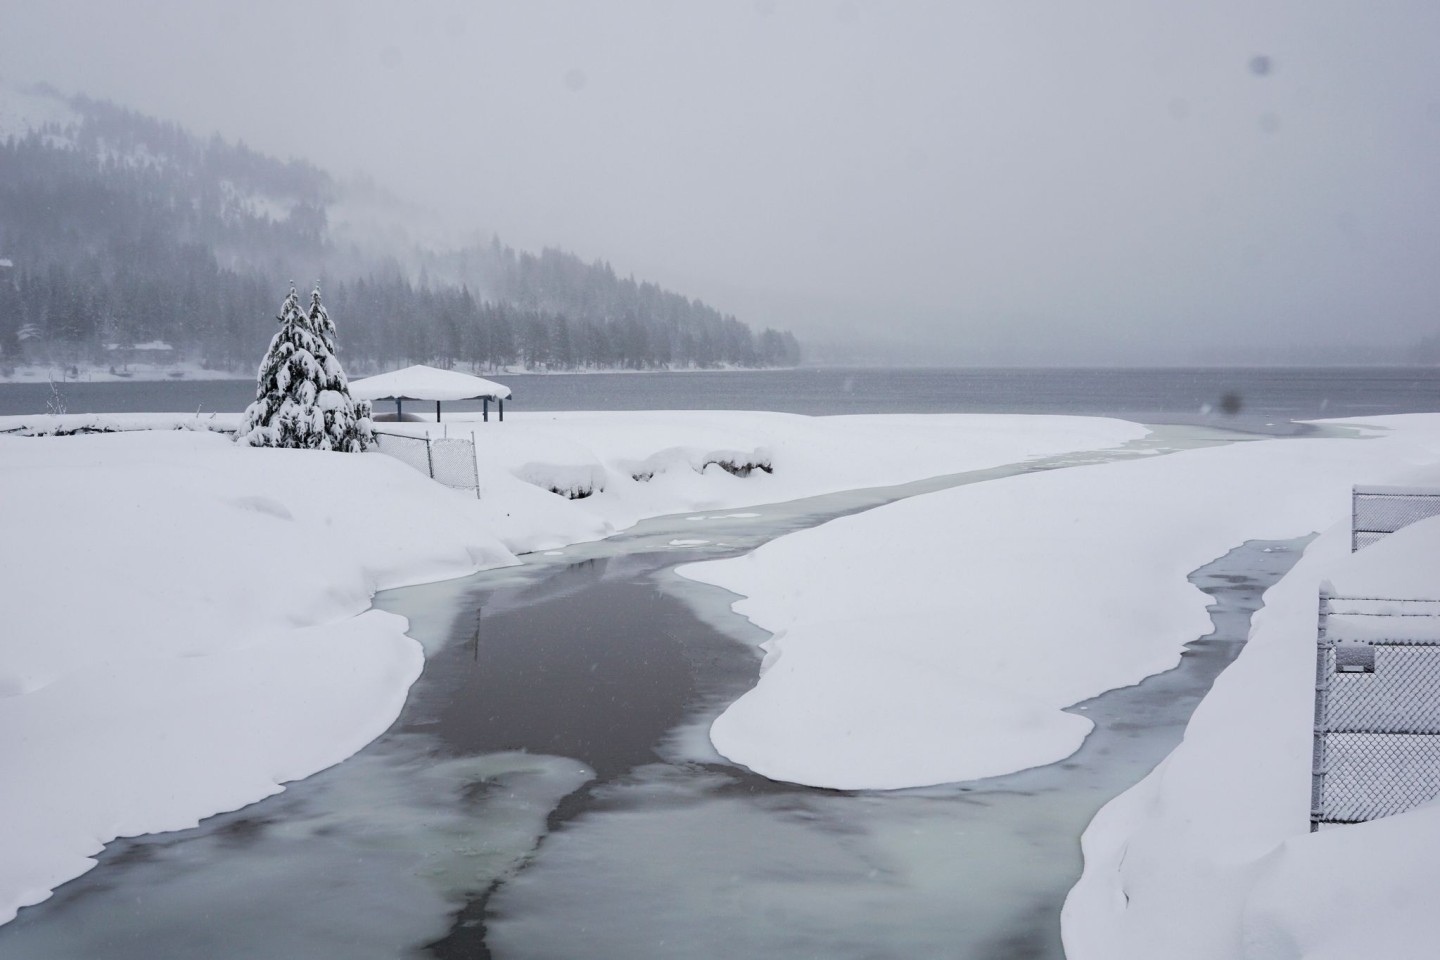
x,y
427,383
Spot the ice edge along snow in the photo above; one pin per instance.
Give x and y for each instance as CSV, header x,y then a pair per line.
x,y
1210,855
951,653
185,618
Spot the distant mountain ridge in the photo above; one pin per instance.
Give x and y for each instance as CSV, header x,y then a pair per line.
x,y
123,229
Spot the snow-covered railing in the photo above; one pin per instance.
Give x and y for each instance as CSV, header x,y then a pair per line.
x,y
1377,512
1377,708
448,460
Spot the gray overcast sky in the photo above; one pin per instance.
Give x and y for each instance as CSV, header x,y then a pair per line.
x,y
983,181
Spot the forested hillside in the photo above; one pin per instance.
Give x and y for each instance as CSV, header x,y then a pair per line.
x,y
120,230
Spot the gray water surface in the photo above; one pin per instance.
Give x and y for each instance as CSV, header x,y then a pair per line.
x,y
685,855
1254,399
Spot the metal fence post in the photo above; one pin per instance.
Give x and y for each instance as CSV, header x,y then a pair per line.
x,y
1322,690
1354,519
475,452
429,457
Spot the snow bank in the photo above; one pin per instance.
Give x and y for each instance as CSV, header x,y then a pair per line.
x,y
185,629
62,373
939,639
679,454
1362,891
1210,855
658,462
66,424
185,622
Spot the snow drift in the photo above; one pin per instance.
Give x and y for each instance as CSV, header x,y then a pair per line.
x,y
1210,856
186,622
940,638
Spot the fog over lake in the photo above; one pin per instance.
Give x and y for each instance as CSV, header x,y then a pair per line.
x,y
1110,182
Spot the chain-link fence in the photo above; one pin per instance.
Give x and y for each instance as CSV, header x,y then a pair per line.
x,y
412,450
452,462
1377,708
1377,512
447,460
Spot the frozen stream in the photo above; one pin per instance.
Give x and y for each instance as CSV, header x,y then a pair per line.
x,y
549,792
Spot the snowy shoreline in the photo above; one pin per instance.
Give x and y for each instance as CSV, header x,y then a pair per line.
x,y
1001,582
61,375
1207,857
1211,854
166,584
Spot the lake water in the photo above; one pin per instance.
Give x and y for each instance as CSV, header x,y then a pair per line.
x,y
1257,396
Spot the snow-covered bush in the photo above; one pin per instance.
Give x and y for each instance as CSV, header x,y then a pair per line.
x,y
303,397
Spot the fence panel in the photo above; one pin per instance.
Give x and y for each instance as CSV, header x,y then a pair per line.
x,y
1377,708
452,462
412,450
1377,512
447,460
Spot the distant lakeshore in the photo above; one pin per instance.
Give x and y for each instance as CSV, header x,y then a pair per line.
x,y
1255,399
62,374
153,373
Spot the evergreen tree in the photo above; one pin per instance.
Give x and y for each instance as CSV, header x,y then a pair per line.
x,y
302,398
348,427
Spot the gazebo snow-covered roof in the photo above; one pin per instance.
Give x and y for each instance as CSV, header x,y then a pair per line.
x,y
430,383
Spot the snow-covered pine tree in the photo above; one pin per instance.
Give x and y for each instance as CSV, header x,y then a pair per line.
x,y
302,397
347,421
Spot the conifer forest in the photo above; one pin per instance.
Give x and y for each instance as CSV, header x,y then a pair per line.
x,y
117,230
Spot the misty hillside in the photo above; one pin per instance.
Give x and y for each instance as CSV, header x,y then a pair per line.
x,y
120,229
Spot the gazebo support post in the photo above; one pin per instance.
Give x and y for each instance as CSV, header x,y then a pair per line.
x,y
485,409
399,413
437,411
501,402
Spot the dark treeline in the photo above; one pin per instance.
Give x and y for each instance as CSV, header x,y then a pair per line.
x,y
550,311
125,230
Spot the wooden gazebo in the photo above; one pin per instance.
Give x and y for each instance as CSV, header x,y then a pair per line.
x,y
424,384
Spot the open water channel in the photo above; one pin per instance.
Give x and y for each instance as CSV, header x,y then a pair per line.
x,y
549,792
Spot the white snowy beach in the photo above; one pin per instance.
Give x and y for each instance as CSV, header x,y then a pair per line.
x,y
1210,855
187,627
62,374
186,622
1002,603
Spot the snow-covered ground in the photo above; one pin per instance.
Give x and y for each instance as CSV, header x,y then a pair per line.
x,y
63,373
938,638
185,620
1210,856
991,607
186,628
